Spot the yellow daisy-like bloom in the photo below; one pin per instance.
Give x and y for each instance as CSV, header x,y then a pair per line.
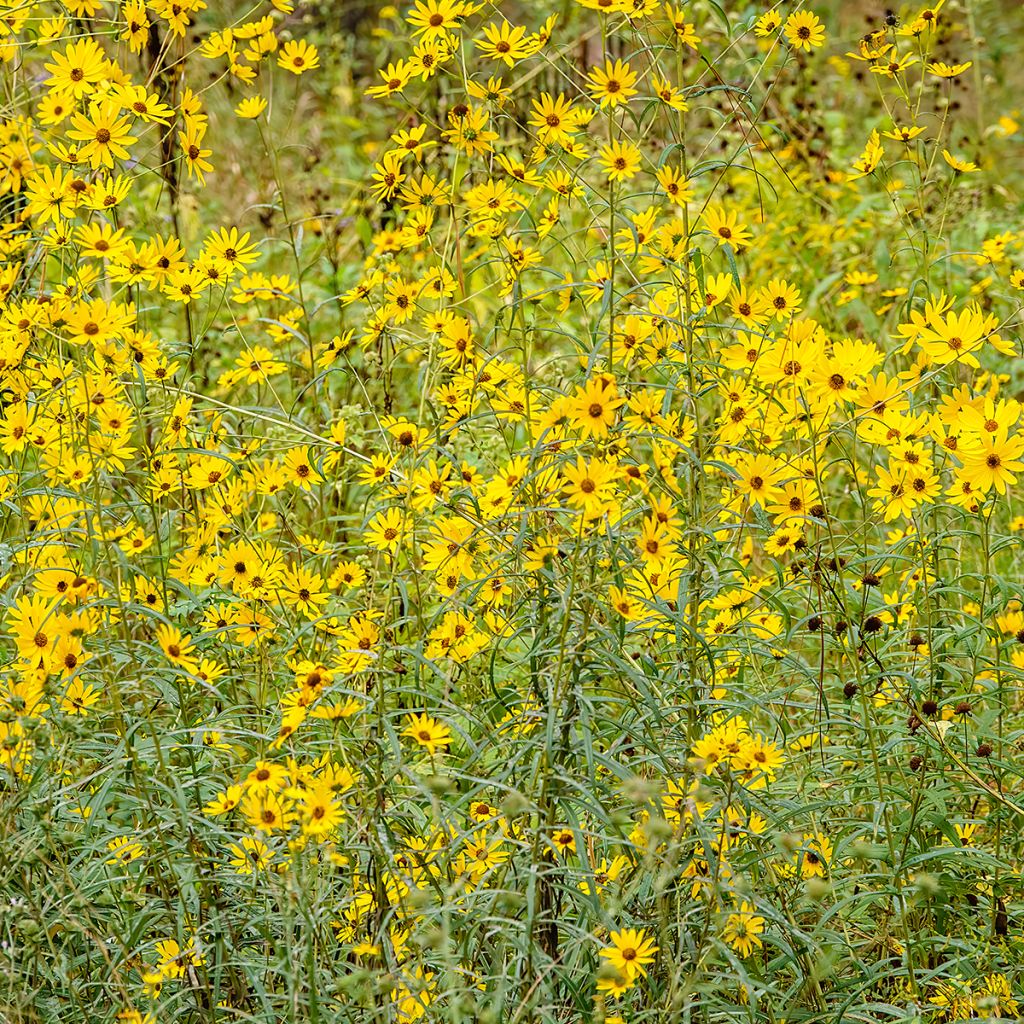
x,y
563,841
955,336
385,530
726,227
814,855
177,648
251,107
804,31
508,43
944,70
743,928
958,165
594,406
630,952
250,855
395,77
78,698
554,118
430,733
620,161
300,469
674,184
78,70
319,810
298,56
105,134
612,84
994,462
768,23
431,18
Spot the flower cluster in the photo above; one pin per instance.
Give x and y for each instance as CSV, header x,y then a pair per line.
x,y
509,518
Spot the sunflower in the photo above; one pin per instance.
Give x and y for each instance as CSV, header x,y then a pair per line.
x,y
612,84
177,647
993,461
431,18
619,160
804,30
78,70
319,810
429,733
298,56
105,134
743,929
36,626
594,407
629,952
249,855
554,118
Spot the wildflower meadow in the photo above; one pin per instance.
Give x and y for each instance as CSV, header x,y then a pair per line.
x,y
510,511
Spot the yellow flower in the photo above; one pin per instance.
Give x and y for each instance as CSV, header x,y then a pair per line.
x,y
385,530
943,70
78,70
430,733
319,810
124,850
629,952
508,43
298,56
594,407
251,107
768,23
612,84
250,855
554,118
619,160
431,18
177,648
298,464
105,134
814,855
804,30
743,929
78,698
394,79
958,165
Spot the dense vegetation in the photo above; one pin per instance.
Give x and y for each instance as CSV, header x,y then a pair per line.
x,y
508,511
